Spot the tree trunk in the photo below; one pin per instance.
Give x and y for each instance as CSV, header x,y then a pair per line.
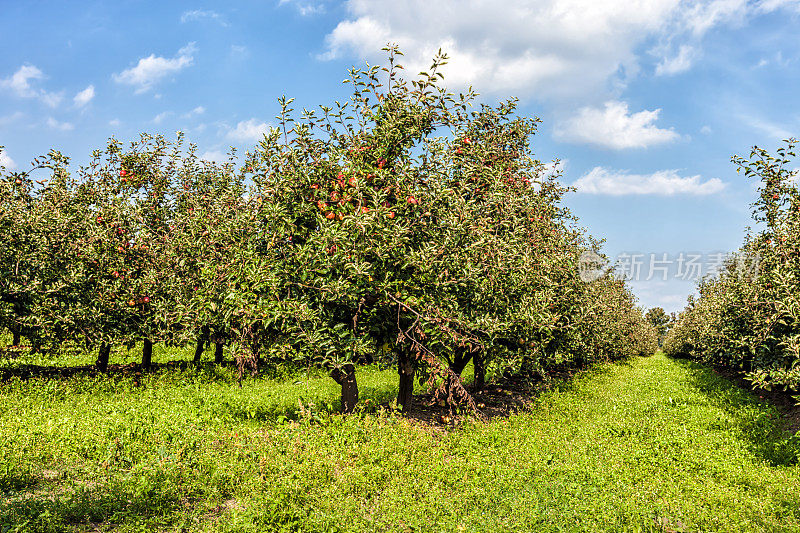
x,y
198,352
102,357
218,347
480,371
405,392
462,357
16,340
346,378
147,353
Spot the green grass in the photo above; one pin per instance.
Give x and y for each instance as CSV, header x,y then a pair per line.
x,y
649,445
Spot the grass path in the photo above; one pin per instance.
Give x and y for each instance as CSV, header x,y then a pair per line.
x,y
649,445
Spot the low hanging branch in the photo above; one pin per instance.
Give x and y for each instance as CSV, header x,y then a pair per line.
x,y
456,391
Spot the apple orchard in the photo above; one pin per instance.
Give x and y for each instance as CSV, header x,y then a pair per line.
x,y
405,226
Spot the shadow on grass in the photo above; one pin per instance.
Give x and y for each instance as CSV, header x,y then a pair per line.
x,y
497,399
225,371
758,422
25,372
507,395
315,408
56,509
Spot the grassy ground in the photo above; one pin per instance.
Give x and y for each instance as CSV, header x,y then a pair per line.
x,y
652,445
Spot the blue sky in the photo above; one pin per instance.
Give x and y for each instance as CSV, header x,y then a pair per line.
x,y
643,101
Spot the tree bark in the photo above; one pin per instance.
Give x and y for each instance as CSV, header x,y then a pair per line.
x,y
198,352
218,347
405,392
102,357
147,353
346,378
17,339
462,357
480,371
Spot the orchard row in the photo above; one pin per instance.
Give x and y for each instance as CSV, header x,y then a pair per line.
x,y
748,318
403,225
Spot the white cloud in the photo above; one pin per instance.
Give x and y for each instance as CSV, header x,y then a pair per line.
x,y
767,6
200,14
768,128
777,60
614,127
158,119
702,16
239,51
51,99
199,110
13,117
114,122
365,35
20,84
84,97
552,49
152,69
677,64
56,125
600,180
306,8
248,131
7,162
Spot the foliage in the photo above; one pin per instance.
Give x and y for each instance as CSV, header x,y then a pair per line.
x,y
749,316
659,320
402,226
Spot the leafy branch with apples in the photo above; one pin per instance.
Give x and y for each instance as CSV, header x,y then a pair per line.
x,y
407,226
